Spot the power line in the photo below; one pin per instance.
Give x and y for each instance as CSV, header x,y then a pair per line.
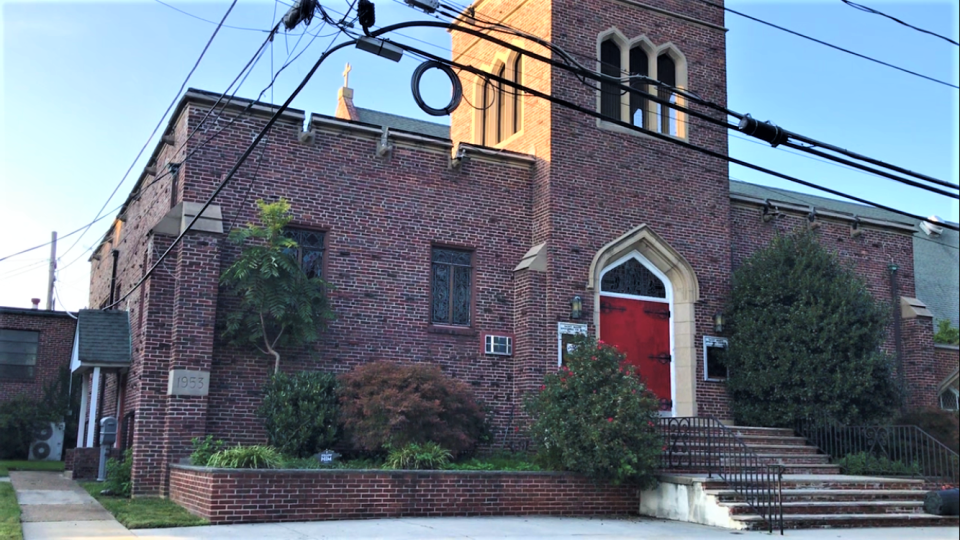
x,y
826,44
582,72
656,135
160,122
188,14
867,9
233,170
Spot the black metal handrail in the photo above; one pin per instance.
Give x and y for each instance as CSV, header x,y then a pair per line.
x,y
704,445
919,453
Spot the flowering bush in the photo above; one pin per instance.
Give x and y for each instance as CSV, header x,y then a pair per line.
x,y
597,418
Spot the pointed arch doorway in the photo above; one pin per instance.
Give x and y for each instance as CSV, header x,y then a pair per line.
x,y
635,316
645,294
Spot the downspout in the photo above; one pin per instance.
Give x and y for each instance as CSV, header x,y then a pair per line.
x,y
898,333
113,277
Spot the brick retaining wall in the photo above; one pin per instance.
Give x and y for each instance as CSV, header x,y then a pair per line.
x,y
251,496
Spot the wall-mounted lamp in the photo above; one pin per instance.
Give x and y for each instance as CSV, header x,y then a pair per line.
x,y
576,307
812,219
718,322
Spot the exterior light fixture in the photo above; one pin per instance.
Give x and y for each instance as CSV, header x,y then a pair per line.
x,y
718,322
576,307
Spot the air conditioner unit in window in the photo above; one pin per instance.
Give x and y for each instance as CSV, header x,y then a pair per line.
x,y
47,442
501,345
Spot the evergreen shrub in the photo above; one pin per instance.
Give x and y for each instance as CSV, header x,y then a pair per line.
x,y
805,337
300,412
597,418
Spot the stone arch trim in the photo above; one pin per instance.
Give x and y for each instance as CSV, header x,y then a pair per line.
x,y
686,292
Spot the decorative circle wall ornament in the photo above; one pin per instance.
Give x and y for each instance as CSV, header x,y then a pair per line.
x,y
455,96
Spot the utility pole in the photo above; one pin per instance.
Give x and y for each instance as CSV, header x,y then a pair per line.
x,y
53,269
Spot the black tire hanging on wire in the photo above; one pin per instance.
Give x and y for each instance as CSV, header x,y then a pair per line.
x,y
455,97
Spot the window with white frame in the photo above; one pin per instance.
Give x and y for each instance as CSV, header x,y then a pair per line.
x,y
715,358
499,345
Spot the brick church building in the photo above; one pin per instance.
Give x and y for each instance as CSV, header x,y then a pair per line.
x,y
467,245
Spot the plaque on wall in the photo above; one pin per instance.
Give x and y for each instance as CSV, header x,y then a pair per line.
x,y
566,333
188,382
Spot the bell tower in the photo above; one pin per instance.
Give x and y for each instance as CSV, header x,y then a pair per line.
x,y
597,181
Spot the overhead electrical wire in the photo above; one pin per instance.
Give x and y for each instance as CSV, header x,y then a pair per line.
x,y
867,9
626,125
826,44
160,122
188,14
233,170
808,147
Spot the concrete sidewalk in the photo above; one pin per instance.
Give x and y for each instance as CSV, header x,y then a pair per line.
x,y
517,528
54,507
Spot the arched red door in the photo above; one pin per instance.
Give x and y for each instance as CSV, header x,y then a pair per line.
x,y
635,318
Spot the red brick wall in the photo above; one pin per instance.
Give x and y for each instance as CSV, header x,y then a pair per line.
x,y
947,357
57,330
84,463
252,496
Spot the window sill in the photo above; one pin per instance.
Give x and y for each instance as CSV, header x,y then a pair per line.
x,y
617,128
452,330
715,379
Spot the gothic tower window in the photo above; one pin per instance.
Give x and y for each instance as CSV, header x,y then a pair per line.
x,y
666,116
500,104
638,103
610,91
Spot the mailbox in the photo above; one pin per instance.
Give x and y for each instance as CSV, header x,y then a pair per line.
x,y
108,431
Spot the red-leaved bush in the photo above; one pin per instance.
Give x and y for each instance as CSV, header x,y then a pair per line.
x,y
391,405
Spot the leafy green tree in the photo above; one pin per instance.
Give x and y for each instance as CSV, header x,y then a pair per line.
x,y
946,334
279,305
805,337
596,417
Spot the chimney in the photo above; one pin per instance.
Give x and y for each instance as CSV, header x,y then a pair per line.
x,y
35,302
345,108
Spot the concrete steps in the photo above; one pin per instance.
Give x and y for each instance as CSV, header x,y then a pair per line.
x,y
816,495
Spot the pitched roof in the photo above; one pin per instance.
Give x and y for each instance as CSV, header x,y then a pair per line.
x,y
403,123
936,259
104,337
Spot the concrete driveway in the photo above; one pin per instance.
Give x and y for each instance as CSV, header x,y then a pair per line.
x,y
510,528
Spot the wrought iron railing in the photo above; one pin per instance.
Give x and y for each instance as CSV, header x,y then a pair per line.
x,y
705,445
918,453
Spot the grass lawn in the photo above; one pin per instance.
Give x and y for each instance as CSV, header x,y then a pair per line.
x,y
6,466
144,513
9,513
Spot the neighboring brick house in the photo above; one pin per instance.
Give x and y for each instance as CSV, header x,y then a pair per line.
x,y
467,246
34,348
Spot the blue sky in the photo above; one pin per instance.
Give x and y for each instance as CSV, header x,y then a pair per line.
x,y
83,85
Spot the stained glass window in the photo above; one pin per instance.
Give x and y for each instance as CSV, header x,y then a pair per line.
x,y
452,286
633,278
309,251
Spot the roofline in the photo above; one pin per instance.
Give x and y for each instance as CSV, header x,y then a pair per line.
x,y
821,212
35,312
196,96
443,144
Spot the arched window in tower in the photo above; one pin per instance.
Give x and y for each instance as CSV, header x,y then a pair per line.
x,y
666,115
500,104
609,91
638,104
517,103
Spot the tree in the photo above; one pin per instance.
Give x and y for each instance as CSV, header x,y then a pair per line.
x,y
946,334
279,305
805,339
